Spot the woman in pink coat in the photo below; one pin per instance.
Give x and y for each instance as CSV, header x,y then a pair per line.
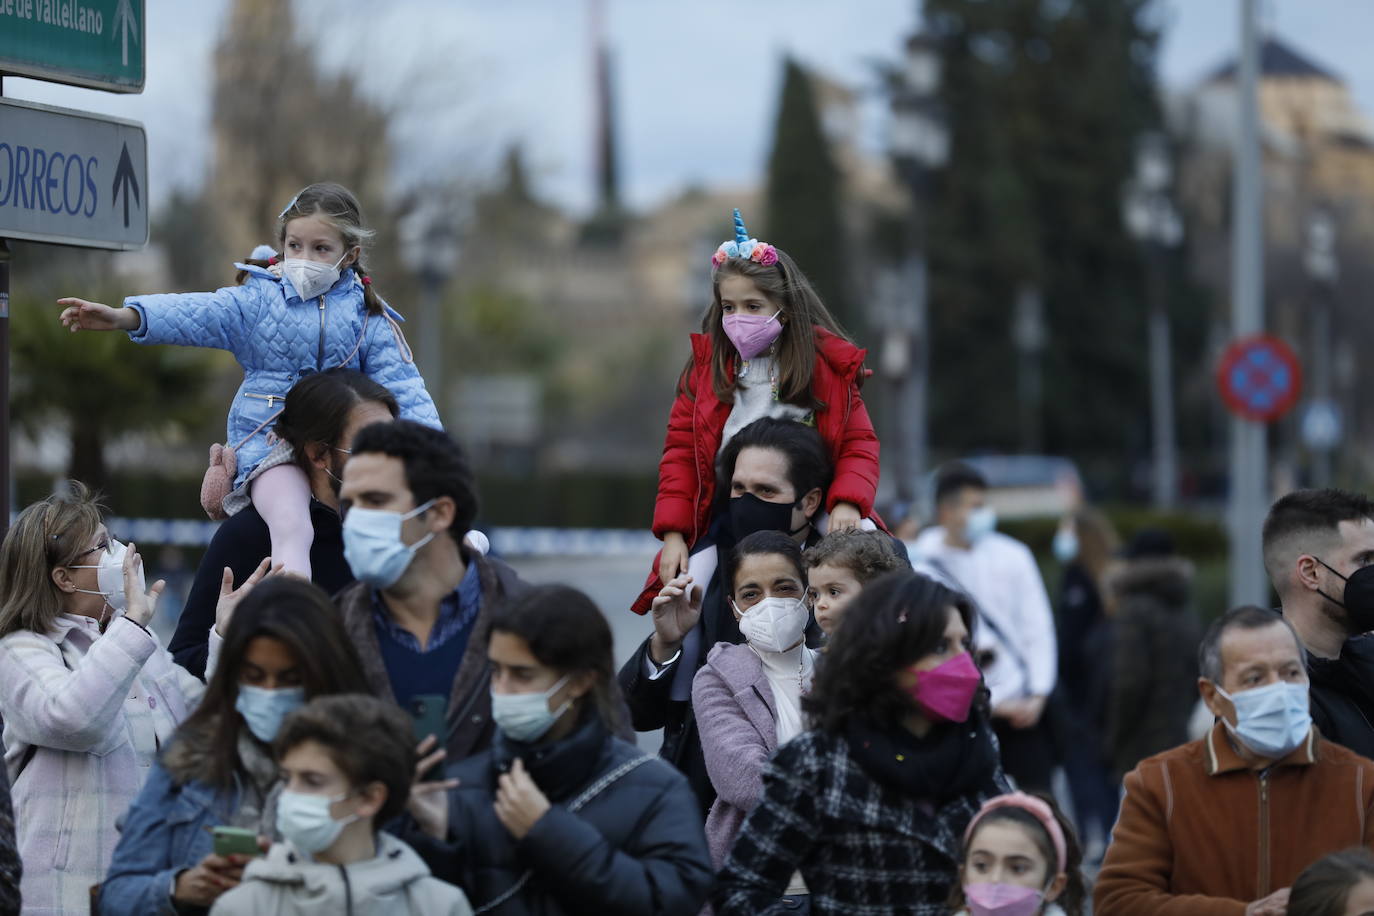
x,y
87,692
748,697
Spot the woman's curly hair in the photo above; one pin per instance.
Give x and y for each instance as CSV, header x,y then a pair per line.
x,y
895,621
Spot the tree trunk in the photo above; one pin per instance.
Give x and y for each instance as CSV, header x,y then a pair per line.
x,y
87,462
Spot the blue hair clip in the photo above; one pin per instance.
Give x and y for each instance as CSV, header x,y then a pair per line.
x,y
287,209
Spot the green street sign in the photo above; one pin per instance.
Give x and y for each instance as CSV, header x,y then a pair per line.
x,y
94,43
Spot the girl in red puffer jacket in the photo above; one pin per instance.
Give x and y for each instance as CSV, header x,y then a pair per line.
x,y
768,348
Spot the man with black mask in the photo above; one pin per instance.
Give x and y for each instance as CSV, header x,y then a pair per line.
x,y
315,430
1319,553
771,477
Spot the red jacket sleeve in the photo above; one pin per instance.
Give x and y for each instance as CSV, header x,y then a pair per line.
x,y
856,467
675,509
1135,876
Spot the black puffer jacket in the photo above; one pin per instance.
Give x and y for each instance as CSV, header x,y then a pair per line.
x,y
635,849
1343,694
10,866
1154,674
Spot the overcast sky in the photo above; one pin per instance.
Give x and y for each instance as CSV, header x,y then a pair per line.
x,y
696,82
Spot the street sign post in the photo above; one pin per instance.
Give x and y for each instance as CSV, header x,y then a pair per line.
x,y
71,177
94,43
1259,378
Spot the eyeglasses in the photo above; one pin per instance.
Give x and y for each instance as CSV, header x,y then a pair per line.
x,y
106,545
346,451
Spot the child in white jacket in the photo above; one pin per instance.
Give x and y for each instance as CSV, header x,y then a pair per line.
x,y
347,763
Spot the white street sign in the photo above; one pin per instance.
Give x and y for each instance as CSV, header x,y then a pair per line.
x,y
72,177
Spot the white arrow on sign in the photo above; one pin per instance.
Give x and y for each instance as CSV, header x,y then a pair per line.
x,y
125,23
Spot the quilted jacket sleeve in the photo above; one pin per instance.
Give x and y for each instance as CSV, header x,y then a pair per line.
x,y
856,464
220,319
676,506
387,360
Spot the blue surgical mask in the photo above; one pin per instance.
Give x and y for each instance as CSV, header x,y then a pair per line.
x,y
373,546
981,522
1065,546
526,717
304,820
264,709
1272,720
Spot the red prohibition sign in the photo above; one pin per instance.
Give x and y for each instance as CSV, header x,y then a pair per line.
x,y
1259,378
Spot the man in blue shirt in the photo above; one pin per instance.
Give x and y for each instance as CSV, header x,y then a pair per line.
x,y
419,610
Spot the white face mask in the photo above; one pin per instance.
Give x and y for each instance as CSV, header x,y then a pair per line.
x,y
311,278
305,820
774,624
109,577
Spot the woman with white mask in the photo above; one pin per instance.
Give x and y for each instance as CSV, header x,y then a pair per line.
x,y
559,815
748,697
88,694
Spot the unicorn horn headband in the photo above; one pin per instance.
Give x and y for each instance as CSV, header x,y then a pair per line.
x,y
742,246
1036,809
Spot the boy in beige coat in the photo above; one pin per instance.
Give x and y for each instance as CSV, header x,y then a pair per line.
x,y
347,762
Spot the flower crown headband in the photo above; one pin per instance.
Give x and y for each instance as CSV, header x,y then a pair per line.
x,y
1036,809
742,246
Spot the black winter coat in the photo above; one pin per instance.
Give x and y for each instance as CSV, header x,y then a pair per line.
x,y
1154,673
11,868
636,849
1343,695
241,542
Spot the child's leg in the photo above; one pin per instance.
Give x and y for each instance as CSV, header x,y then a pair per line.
x,y
282,497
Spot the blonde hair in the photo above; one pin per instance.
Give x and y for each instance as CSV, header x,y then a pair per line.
x,y
50,533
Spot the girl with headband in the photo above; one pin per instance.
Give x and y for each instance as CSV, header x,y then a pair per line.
x,y
1021,858
768,348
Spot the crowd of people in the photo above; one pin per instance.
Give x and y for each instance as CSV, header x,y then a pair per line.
x,y
361,711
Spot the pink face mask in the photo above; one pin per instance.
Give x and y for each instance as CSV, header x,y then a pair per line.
x,y
945,693
752,334
1002,900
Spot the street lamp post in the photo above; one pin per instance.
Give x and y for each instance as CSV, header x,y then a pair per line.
x,y
1323,271
1250,490
430,237
919,142
1154,221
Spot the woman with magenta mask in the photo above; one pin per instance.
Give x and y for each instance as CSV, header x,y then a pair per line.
x,y
870,804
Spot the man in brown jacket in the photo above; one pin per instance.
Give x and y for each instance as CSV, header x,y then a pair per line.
x,y
1222,826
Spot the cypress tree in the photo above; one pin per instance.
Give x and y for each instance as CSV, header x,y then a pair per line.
x,y
803,215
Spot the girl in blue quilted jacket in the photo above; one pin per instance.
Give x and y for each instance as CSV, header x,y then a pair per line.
x,y
313,310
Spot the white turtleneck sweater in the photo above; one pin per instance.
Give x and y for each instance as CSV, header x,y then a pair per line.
x,y
789,676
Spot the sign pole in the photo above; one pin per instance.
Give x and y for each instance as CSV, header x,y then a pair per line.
x,y
1249,491
5,486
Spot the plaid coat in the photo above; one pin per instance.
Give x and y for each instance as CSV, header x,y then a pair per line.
x,y
863,849
84,716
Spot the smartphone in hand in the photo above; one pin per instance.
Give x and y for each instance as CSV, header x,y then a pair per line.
x,y
231,841
428,712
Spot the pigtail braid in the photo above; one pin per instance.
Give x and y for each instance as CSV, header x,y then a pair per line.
x,y
243,275
370,297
